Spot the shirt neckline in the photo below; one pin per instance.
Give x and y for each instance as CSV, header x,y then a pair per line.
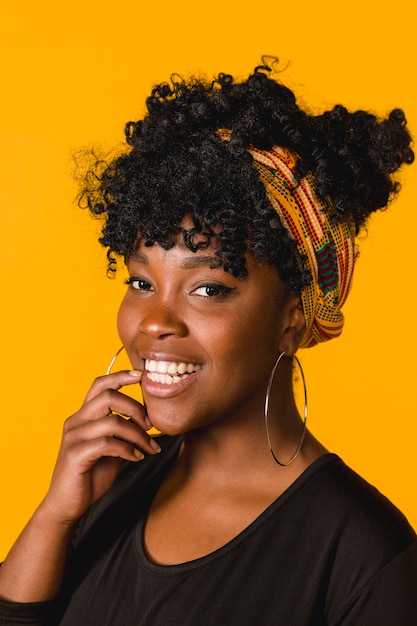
x,y
233,544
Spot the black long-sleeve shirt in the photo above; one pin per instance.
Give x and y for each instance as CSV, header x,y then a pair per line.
x,y
330,551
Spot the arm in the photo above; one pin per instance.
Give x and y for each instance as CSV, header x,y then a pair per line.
x,y
94,441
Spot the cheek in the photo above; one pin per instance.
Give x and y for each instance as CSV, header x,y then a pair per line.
x,y
258,327
126,323
247,343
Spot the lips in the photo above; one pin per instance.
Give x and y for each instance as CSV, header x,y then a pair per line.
x,y
169,372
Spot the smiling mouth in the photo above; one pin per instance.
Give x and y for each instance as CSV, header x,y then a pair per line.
x,y
169,372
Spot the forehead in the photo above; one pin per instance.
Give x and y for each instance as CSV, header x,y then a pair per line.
x,y
179,252
179,257
185,258
191,237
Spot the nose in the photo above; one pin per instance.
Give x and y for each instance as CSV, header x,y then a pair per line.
x,y
161,320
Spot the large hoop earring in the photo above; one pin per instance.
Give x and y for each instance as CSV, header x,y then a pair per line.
x,y
266,411
112,362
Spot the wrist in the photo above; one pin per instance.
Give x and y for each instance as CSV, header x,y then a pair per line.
x,y
48,517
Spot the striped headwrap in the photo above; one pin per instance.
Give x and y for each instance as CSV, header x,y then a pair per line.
x,y
328,248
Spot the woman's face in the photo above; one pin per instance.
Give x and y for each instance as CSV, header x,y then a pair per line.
x,y
208,340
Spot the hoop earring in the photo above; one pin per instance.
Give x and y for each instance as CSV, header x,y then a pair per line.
x,y
266,412
112,362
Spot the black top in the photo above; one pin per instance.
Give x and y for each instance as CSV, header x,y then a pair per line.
x,y
330,550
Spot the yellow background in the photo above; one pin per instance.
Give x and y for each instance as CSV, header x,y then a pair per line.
x,y
71,74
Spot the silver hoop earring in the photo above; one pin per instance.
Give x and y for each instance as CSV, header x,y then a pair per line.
x,y
266,412
112,362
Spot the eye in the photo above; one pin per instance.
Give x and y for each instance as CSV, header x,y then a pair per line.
x,y
213,291
138,283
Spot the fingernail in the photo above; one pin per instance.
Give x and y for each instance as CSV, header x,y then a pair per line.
x,y
155,445
138,454
135,373
148,422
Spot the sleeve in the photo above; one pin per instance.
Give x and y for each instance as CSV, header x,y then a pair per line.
x,y
117,504
389,598
22,614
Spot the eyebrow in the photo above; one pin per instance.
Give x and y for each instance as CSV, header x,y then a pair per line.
x,y
189,263
138,258
193,262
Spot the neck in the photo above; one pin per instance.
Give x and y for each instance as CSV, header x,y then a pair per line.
x,y
238,449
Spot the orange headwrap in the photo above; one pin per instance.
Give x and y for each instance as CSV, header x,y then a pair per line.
x,y
328,247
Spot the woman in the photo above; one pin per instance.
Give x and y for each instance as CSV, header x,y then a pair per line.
x,y
236,214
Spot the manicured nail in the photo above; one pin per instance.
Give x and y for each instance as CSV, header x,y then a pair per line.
x,y
155,445
148,422
138,454
135,373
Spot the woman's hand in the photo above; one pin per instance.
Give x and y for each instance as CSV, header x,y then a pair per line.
x,y
94,441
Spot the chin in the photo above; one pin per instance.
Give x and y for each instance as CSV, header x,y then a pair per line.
x,y
172,417
167,425
173,426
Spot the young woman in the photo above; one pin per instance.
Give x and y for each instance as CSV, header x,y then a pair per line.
x,y
236,215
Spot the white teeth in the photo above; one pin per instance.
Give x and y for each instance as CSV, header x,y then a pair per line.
x,y
168,372
182,368
163,379
173,368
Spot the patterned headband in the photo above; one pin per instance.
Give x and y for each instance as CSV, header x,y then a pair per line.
x,y
328,247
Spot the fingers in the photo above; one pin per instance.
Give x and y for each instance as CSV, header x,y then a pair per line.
x,y
108,414
105,389
94,441
85,454
112,401
101,433
113,381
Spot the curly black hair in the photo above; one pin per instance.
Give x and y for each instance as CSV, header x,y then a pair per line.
x,y
176,165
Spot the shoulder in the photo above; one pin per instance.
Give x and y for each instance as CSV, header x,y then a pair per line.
x,y
368,543
358,507
335,508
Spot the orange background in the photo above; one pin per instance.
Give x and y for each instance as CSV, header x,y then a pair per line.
x,y
72,75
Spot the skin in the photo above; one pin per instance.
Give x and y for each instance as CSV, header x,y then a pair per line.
x,y
179,307
234,335
225,476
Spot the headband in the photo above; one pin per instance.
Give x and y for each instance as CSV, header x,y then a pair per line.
x,y
328,247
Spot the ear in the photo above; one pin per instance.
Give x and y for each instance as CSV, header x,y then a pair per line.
x,y
294,325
